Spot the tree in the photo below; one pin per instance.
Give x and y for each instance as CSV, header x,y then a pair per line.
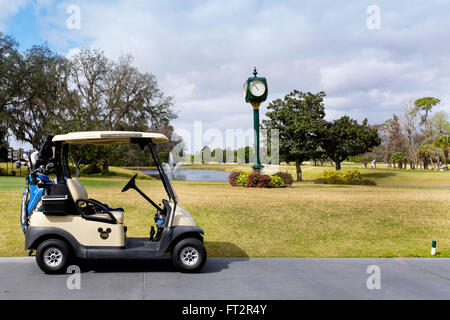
x,y
443,143
413,138
3,144
423,107
118,96
396,141
75,120
318,154
299,117
345,138
244,154
399,158
441,130
381,152
368,157
43,96
217,155
42,92
428,151
440,124
206,154
10,81
169,132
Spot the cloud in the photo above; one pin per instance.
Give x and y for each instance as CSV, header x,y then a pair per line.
x,y
8,9
201,52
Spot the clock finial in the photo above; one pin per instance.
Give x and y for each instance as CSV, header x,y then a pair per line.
x,y
255,72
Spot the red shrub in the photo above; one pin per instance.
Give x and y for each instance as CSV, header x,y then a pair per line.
x,y
232,178
258,180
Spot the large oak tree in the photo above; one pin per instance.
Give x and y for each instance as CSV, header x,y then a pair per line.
x,y
118,96
42,96
299,117
44,93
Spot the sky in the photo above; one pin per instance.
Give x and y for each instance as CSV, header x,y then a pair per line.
x,y
368,56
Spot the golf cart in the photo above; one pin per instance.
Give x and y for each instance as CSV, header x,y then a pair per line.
x,y
62,223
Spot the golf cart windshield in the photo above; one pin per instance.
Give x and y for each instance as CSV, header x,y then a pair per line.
x,y
110,137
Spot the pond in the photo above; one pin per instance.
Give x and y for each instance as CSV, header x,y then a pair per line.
x,y
193,175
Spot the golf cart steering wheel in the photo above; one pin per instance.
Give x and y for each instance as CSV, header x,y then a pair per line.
x,y
130,183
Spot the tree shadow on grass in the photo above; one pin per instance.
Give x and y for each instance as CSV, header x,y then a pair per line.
x,y
220,256
378,175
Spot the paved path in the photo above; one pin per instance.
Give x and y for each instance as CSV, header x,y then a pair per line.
x,y
234,278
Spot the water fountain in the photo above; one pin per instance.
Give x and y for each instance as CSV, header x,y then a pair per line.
x,y
171,167
174,172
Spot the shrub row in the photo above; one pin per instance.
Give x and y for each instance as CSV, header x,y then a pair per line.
x,y
258,180
352,177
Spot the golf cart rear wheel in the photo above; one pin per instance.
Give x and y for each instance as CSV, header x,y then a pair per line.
x,y
189,255
53,256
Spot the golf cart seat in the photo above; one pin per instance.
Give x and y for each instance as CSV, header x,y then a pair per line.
x,y
84,194
80,196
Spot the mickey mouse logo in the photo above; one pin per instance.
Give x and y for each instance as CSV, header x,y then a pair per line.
x,y
104,234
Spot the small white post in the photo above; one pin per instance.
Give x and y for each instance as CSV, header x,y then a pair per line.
x,y
433,248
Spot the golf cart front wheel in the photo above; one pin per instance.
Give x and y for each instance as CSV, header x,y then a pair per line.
x,y
53,256
189,255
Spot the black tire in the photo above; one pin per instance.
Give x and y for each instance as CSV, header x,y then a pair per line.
x,y
181,259
53,256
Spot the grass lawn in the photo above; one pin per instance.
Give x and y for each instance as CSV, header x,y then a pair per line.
x,y
305,220
382,175
10,167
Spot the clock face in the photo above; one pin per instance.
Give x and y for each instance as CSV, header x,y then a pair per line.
x,y
257,88
245,89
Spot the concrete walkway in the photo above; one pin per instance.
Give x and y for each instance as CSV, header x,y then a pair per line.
x,y
235,278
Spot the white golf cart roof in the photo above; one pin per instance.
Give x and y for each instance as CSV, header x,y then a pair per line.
x,y
107,137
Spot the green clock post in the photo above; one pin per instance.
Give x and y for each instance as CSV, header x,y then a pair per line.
x,y
255,92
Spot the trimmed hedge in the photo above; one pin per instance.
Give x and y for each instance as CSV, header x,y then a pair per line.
x,y
351,177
